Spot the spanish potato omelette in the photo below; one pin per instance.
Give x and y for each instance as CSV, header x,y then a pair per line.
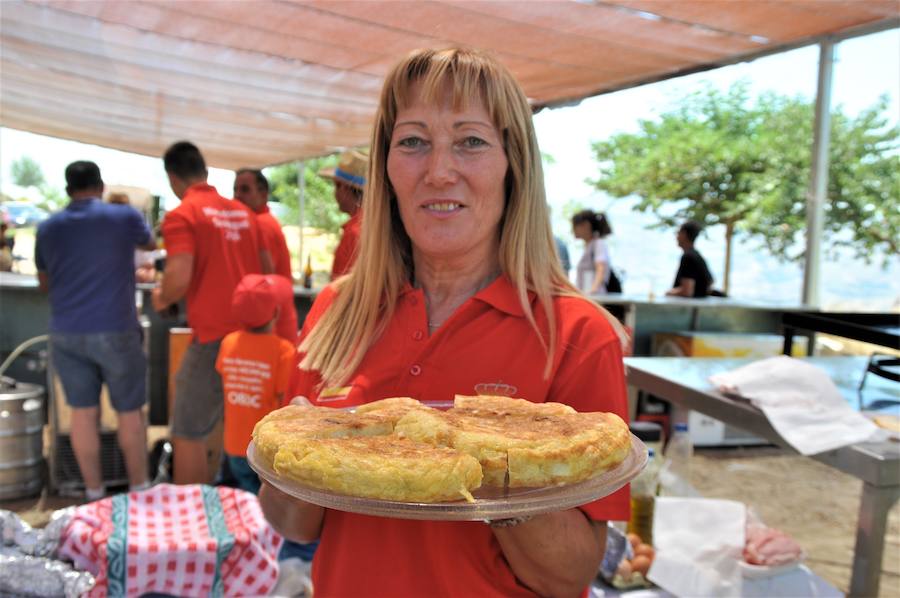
x,y
399,449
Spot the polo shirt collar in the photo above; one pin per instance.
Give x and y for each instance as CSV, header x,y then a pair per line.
x,y
264,209
353,219
500,294
198,188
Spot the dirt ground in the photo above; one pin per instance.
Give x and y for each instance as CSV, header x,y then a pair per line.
x,y
812,502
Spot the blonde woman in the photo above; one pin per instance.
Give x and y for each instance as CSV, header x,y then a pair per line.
x,y
457,290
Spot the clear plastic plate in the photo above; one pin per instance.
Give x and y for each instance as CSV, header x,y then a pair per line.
x,y
489,503
749,571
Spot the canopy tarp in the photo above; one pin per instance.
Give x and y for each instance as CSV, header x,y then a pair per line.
x,y
256,82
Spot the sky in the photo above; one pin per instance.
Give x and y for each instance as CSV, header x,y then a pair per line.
x,y
865,68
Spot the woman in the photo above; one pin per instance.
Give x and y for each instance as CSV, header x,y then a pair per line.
x,y
593,272
458,290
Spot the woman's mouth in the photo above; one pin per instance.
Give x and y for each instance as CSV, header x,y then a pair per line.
x,y
443,207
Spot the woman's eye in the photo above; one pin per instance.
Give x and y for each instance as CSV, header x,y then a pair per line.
x,y
473,142
410,142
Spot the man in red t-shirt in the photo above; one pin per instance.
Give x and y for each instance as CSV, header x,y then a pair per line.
x,y
349,183
211,243
251,188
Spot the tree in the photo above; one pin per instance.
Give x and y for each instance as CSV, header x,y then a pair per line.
x,y
717,159
320,208
26,172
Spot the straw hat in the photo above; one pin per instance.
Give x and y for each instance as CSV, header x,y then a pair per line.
x,y
351,169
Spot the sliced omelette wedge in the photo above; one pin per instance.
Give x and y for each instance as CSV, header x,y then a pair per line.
x,y
382,467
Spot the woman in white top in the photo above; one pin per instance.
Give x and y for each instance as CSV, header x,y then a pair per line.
x,y
592,274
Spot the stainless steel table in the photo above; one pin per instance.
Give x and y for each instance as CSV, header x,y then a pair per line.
x,y
684,382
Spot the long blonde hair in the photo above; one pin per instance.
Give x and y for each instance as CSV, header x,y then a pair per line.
x,y
367,296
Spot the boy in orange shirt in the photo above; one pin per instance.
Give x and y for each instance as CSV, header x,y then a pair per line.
x,y
255,365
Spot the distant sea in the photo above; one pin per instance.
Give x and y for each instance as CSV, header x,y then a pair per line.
x,y
649,259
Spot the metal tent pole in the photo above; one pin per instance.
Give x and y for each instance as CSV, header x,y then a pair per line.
x,y
301,203
818,184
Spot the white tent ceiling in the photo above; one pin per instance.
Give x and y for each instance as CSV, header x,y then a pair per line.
x,y
258,82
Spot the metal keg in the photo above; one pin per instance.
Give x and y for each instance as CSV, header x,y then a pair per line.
x,y
21,438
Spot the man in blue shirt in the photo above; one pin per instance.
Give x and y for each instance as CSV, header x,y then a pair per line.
x,y
85,260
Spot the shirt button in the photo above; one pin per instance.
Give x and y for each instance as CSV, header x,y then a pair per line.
x,y
413,301
418,335
415,370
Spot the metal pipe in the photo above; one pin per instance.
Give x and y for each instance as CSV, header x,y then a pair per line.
x,y
18,351
818,183
301,203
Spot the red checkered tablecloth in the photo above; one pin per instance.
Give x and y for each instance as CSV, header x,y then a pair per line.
x,y
181,540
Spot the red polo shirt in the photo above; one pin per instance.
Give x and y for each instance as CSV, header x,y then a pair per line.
x,y
273,240
223,238
345,253
486,346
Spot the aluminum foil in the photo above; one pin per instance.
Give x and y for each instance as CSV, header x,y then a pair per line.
x,y
17,534
27,566
40,576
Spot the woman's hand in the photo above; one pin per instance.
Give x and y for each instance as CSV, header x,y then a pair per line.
x,y
292,518
548,566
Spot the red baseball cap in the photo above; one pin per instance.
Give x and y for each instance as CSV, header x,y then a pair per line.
x,y
257,296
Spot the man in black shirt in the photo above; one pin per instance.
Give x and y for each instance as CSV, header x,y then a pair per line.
x,y
693,278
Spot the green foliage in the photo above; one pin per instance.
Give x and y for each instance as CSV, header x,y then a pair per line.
x,y
321,210
717,159
26,172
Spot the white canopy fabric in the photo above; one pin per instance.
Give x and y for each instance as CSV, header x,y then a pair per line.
x,y
258,82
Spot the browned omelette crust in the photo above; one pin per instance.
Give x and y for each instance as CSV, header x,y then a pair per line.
x,y
295,421
292,422
510,405
393,408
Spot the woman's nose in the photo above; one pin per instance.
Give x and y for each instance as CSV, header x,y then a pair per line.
x,y
441,166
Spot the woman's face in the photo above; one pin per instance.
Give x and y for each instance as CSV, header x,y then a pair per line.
x,y
448,169
582,230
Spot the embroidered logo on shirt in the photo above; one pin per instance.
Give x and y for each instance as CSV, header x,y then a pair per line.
x,y
495,389
335,393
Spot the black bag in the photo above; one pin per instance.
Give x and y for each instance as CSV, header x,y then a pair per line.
x,y
614,285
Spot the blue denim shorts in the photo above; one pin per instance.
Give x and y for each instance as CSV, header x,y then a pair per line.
x,y
84,362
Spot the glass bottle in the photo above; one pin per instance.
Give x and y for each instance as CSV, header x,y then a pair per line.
x,y
643,497
308,273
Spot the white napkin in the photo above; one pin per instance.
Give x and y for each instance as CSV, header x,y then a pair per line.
x,y
801,402
699,544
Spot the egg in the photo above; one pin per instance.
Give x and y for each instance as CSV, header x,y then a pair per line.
x,y
644,550
624,569
634,540
641,564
